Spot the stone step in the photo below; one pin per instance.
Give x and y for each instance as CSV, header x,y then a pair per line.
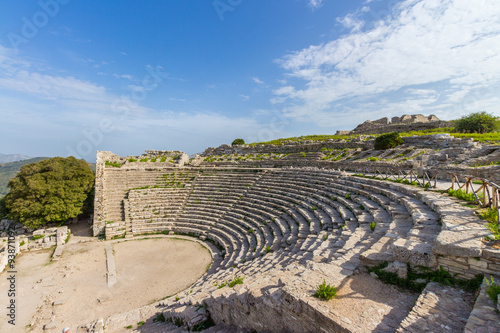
x,y
439,309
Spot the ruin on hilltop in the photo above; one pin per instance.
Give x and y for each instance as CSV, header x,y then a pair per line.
x,y
405,123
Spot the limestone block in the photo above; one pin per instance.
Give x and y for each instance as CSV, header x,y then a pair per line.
x,y
459,243
415,253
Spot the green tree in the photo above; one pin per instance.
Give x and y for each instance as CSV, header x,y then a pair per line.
x,y
387,141
52,190
238,142
479,122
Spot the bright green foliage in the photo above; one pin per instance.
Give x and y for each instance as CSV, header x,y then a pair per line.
x,y
52,190
492,290
238,142
113,164
326,291
388,141
479,122
372,226
460,194
237,280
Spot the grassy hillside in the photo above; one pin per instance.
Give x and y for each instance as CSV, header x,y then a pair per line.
x,y
7,158
10,170
486,137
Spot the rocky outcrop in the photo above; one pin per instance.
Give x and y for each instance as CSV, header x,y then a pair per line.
x,y
404,123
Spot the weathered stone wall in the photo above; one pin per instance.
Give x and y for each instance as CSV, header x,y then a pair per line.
x,y
112,182
287,148
271,309
371,128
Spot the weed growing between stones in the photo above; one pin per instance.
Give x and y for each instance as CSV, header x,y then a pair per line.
x,y
493,290
415,278
159,318
373,225
237,280
326,291
490,214
459,194
112,164
206,324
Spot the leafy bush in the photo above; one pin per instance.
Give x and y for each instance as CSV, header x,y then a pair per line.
x,y
52,190
492,290
3,209
325,291
238,142
388,141
131,160
479,122
372,159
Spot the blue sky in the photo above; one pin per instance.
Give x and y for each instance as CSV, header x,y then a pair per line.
x,y
79,76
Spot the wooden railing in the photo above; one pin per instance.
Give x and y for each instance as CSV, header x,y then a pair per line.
x,y
487,194
423,178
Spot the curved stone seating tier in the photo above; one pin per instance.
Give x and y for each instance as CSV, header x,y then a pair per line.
x,y
303,225
305,214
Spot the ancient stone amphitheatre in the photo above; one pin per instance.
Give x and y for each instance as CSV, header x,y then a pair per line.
x,y
238,239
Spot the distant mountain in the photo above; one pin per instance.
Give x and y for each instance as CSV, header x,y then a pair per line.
x,y
6,158
10,170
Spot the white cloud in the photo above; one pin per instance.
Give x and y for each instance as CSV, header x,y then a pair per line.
x,y
123,76
315,4
244,97
258,81
451,43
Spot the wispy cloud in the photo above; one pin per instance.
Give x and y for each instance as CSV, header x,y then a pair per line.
x,y
315,4
258,81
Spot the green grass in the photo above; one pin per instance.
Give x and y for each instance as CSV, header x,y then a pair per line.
x,y
35,237
325,291
486,137
460,194
495,229
489,214
493,290
113,164
373,225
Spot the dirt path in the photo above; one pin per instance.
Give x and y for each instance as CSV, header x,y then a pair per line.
x,y
74,290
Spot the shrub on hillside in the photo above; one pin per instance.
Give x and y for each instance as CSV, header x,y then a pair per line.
x,y
52,190
238,142
3,209
479,122
387,141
